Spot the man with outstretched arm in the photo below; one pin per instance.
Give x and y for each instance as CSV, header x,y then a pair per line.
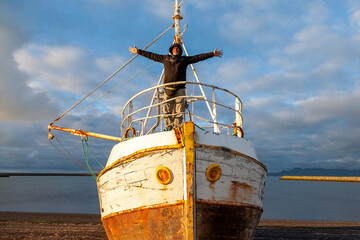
x,y
175,66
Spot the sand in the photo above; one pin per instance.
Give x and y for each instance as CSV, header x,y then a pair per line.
x,y
54,226
50,226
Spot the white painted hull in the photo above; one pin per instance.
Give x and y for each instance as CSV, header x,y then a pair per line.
x,y
128,185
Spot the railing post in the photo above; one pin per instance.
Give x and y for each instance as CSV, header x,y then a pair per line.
x,y
216,126
238,118
152,101
129,120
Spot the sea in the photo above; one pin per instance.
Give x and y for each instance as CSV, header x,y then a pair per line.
x,y
288,200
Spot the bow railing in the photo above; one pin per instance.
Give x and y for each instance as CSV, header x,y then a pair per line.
x,y
223,115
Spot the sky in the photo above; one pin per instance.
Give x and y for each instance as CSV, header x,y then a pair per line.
x,y
295,65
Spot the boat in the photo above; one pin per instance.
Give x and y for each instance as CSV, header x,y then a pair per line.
x,y
202,180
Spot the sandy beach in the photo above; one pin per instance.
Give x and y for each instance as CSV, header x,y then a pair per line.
x,y
15,225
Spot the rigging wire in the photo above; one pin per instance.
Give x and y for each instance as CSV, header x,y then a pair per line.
x,y
77,162
111,90
108,78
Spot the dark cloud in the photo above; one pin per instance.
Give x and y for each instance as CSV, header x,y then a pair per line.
x,y
18,102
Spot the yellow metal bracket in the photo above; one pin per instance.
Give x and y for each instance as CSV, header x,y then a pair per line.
x,y
81,133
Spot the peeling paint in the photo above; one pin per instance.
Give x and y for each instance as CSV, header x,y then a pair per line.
x,y
135,205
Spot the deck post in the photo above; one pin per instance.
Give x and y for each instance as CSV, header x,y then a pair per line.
x,y
188,130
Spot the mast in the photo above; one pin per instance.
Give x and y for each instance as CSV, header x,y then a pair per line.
x,y
177,17
178,39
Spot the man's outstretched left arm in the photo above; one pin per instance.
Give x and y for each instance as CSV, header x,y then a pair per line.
x,y
204,56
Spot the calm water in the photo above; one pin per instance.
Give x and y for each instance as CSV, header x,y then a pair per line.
x,y
74,194
296,200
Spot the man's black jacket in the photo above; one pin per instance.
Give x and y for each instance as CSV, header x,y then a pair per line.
x,y
175,66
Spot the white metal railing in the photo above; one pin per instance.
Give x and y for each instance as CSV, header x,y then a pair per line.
x,y
144,110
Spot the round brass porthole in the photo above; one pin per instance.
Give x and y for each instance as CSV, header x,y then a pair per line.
x,y
163,175
213,172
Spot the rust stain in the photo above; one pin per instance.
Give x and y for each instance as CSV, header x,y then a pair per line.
x,y
239,191
242,185
226,220
229,204
212,188
181,202
164,222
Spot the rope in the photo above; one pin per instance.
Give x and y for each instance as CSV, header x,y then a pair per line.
x,y
93,154
199,127
111,90
86,155
112,75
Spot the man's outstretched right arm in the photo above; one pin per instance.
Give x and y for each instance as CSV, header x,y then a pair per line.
x,y
153,56
133,50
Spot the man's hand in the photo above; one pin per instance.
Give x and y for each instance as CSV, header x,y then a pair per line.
x,y
133,50
218,53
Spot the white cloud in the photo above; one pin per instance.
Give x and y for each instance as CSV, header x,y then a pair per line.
x,y
320,43
109,64
322,108
355,18
259,103
160,8
60,66
317,13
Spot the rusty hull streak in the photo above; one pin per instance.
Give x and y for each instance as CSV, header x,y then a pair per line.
x,y
229,204
232,151
239,191
156,222
181,202
223,221
242,185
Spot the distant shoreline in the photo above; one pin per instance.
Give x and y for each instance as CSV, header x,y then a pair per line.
x,y
317,172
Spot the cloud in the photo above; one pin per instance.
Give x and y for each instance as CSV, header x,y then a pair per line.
x,y
59,66
159,8
317,12
319,43
321,131
294,65
67,73
18,102
355,18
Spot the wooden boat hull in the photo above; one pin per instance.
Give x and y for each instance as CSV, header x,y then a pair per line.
x,y
188,189
160,222
214,221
